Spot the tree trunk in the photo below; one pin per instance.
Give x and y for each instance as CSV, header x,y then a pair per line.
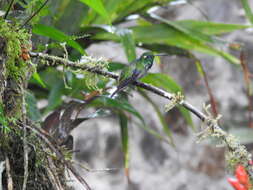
x,y
25,160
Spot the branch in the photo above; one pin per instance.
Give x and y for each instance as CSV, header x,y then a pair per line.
x,y
26,162
8,172
25,147
54,61
236,153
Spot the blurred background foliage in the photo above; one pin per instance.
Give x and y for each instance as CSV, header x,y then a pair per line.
x,y
74,25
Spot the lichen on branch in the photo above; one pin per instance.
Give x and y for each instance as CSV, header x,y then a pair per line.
x,y
92,79
235,153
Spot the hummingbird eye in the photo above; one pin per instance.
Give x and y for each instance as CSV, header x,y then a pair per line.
x,y
145,57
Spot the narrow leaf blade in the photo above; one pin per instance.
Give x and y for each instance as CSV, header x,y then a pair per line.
x,y
32,109
98,6
57,35
128,43
124,105
37,78
210,28
124,140
247,10
55,94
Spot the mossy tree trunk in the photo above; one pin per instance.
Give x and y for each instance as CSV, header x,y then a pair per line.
x,y
24,159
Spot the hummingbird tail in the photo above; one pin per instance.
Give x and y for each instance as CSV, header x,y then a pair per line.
x,y
115,92
123,84
111,96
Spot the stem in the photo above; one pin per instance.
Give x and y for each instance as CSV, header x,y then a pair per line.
x,y
8,10
34,14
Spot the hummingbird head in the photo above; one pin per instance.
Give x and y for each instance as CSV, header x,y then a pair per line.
x,y
147,59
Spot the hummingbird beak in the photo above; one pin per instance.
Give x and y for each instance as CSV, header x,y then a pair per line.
x,y
161,54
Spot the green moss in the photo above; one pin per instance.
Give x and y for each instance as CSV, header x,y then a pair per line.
x,y
15,38
3,121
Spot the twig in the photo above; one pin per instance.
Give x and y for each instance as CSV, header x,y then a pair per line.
x,y
34,14
203,74
8,171
8,10
86,168
25,147
246,74
52,174
53,179
201,11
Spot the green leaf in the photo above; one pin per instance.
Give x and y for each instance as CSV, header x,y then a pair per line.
x,y
200,68
191,34
161,80
210,28
200,30
128,44
111,6
165,126
61,9
120,106
55,94
107,102
57,35
124,138
50,76
164,34
126,38
115,66
99,113
247,10
32,110
37,78
3,121
170,50
128,7
98,6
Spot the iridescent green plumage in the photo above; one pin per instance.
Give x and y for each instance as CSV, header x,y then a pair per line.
x,y
136,70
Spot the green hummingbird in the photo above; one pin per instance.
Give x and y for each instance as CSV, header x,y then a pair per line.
x,y
137,69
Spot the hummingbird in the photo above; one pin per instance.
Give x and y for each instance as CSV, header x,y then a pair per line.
x,y
137,69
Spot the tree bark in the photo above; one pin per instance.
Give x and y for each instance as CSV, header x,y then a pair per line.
x,y
26,164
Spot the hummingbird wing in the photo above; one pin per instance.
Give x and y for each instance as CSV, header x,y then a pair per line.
x,y
128,80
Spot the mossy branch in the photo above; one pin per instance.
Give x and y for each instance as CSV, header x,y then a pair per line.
x,y
54,61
